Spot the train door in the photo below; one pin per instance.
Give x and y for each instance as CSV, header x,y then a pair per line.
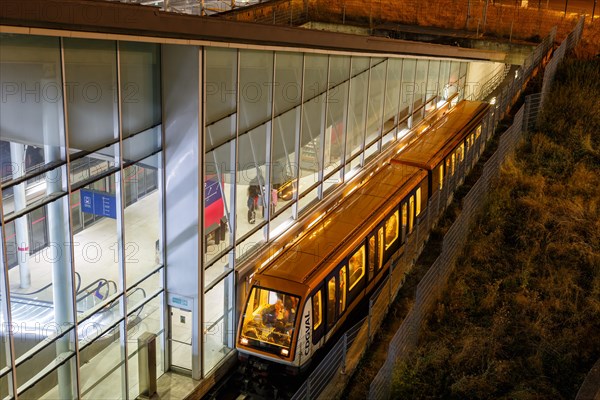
x,y
343,290
404,221
356,272
332,295
317,316
411,213
372,259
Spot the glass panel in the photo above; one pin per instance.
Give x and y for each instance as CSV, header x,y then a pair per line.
x,y
308,200
286,129
219,322
317,310
372,150
357,109
99,324
280,223
331,182
219,187
140,292
408,90
392,94
256,80
315,75
311,151
420,85
142,144
97,257
47,388
251,182
221,82
288,78
433,80
331,303
93,165
376,97
31,191
92,110
140,86
102,368
339,69
443,79
147,319
251,244
142,221
39,312
30,75
336,126
391,226
356,267
342,289
270,317
36,365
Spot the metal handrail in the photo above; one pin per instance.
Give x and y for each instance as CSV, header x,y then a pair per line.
x,y
50,284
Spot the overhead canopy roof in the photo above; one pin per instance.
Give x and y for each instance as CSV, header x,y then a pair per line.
x,y
132,19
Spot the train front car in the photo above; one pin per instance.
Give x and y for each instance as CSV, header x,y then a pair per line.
x,y
270,327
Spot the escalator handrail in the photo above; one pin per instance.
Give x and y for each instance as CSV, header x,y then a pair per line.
x,y
50,284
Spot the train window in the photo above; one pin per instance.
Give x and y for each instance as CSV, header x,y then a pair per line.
x,y
404,218
380,248
461,152
331,288
411,213
441,175
478,132
371,256
270,317
317,308
418,202
356,267
453,163
342,290
391,230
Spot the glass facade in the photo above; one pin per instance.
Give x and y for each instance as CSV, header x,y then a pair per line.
x,y
82,266
84,188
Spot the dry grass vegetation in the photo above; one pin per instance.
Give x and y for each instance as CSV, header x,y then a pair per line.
x,y
521,315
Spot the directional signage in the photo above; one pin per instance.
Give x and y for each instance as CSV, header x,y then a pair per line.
x,y
99,203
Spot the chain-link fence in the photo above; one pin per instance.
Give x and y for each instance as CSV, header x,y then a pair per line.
x,y
433,283
500,18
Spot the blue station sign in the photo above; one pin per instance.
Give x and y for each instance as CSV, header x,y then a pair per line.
x,y
98,203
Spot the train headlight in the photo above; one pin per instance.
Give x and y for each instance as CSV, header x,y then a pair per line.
x,y
285,352
244,341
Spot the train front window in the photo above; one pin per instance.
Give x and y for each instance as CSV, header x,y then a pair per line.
x,y
270,317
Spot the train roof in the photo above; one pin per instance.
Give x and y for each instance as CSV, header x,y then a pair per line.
x,y
322,243
438,141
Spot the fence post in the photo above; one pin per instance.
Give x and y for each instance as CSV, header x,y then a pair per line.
x,y
344,353
369,321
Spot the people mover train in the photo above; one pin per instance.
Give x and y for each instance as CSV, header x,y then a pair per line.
x,y
301,297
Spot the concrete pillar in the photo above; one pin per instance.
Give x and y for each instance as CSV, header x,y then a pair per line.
x,y
59,253
17,155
